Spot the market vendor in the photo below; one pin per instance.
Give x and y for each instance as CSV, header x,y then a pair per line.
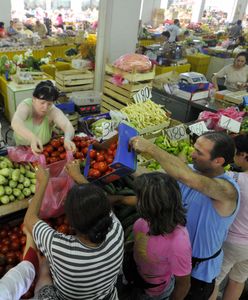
x,y
35,118
236,74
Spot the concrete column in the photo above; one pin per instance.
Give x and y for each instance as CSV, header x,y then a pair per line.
x,y
197,10
148,7
239,10
117,33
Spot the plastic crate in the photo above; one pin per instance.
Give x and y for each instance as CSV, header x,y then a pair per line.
x,y
66,107
199,63
179,69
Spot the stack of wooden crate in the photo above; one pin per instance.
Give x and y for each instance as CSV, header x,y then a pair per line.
x,y
74,80
115,96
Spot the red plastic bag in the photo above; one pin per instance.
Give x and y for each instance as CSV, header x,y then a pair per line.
x,y
59,182
57,188
22,154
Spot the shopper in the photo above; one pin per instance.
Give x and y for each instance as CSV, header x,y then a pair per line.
x,y
162,250
174,30
11,30
166,45
211,199
84,266
17,281
60,22
40,28
35,118
236,30
236,246
236,74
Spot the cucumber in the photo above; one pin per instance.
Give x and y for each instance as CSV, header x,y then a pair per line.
x,y
109,188
125,212
125,192
129,182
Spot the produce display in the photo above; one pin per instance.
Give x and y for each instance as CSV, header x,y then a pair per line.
x,y
182,149
54,151
100,161
12,243
142,115
17,180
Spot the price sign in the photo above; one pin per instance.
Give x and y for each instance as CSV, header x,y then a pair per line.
x,y
177,133
142,95
107,130
230,124
198,128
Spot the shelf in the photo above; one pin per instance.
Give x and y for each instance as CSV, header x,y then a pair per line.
x,y
10,208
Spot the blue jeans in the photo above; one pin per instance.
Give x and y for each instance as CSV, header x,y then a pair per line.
x,y
164,296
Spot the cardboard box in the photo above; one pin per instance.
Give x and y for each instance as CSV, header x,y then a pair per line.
x,y
125,160
221,94
236,97
191,96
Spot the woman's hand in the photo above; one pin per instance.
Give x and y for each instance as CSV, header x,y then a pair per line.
x,y
42,175
69,145
36,145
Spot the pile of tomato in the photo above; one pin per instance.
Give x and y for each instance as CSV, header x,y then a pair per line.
x,y
100,161
12,242
54,151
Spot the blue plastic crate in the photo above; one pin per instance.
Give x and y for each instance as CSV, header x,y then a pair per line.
x,y
125,160
67,107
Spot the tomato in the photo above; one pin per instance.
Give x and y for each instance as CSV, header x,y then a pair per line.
x,y
55,153
15,245
46,153
83,144
53,159
3,233
96,165
92,153
113,146
2,259
6,241
61,149
49,148
13,236
109,159
92,162
11,258
114,153
94,173
85,150
78,155
76,138
23,240
108,172
100,157
55,143
48,160
110,152
102,166
62,155
5,249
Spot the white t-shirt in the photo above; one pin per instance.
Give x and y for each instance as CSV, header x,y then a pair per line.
x,y
17,281
232,76
174,32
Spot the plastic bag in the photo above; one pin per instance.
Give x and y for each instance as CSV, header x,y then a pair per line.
x,y
133,62
59,182
57,188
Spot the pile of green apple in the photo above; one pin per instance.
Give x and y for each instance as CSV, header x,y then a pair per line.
x,y
17,181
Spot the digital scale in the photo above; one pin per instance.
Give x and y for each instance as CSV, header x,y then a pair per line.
x,y
86,102
193,78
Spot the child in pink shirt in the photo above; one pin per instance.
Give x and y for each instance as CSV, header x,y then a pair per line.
x,y
162,250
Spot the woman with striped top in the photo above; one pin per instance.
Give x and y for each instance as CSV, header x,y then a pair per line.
x,y
84,266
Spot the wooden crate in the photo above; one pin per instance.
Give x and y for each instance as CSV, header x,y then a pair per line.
x,y
133,77
74,80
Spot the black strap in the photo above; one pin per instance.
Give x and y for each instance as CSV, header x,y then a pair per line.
x,y
196,260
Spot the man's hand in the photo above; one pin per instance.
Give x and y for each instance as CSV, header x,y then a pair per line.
x,y
73,169
140,144
69,145
36,145
42,175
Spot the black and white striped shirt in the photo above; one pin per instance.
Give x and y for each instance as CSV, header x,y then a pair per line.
x,y
80,271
